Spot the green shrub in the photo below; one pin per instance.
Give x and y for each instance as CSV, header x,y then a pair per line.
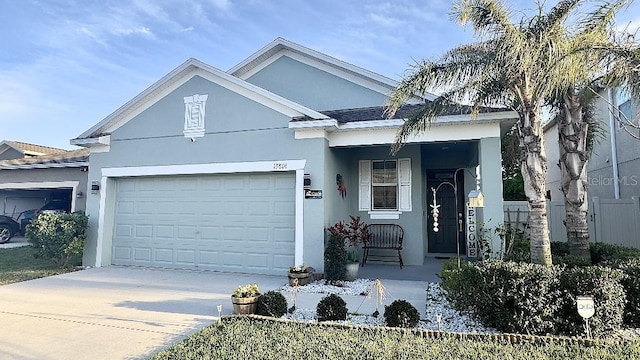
x,y
59,237
509,296
272,303
559,248
604,285
534,299
332,307
631,284
601,252
401,313
335,258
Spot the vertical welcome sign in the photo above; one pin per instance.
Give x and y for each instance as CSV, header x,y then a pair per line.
x,y
472,240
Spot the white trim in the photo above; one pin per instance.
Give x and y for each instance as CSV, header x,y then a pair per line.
x,y
384,136
299,220
44,166
40,185
310,124
312,133
92,142
210,168
384,215
101,214
46,185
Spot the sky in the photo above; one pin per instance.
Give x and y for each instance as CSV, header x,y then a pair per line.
x,y
67,64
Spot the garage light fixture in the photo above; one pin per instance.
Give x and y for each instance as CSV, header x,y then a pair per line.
x,y
95,187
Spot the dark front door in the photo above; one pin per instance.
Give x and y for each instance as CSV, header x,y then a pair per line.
x,y
444,239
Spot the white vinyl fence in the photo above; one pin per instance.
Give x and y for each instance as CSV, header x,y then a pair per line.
x,y
611,221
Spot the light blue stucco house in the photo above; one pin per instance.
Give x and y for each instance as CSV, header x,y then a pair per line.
x,y
243,170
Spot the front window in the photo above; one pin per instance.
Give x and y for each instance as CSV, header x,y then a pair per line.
x,y
384,185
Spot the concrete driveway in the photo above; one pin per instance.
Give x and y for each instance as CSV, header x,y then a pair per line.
x,y
131,313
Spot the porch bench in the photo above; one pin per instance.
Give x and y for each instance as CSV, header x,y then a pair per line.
x,y
384,237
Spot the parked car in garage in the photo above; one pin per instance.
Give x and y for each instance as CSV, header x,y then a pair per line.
x,y
54,207
8,228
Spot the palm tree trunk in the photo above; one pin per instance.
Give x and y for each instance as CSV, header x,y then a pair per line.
x,y
534,173
572,137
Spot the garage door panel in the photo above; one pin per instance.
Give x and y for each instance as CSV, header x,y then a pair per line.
x,y
142,254
164,256
144,231
241,223
125,207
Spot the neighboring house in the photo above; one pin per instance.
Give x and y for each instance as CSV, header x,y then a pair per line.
x,y
243,170
31,175
613,171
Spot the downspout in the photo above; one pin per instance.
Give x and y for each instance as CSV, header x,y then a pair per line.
x,y
614,146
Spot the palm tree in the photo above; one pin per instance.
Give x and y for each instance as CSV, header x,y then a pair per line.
x,y
510,66
592,59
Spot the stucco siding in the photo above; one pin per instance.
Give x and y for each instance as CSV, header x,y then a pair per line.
x,y
237,130
313,87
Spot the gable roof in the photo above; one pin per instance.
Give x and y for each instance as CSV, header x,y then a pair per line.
x,y
70,158
281,46
27,149
98,134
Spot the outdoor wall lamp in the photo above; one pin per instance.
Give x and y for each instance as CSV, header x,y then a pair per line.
x,y
95,187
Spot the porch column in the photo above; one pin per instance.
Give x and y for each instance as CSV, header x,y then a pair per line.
x,y
492,215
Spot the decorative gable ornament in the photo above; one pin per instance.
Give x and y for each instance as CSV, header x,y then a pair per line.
x,y
194,111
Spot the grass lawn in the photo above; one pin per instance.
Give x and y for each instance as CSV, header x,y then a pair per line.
x,y
19,264
243,338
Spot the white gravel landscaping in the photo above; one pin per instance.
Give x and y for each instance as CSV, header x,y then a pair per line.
x,y
450,319
360,287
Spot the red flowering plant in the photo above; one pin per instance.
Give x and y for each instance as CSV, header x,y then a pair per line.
x,y
355,233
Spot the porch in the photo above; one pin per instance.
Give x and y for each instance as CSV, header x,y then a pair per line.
x,y
427,272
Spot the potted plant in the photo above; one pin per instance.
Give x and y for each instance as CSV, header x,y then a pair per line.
x,y
302,273
245,299
354,233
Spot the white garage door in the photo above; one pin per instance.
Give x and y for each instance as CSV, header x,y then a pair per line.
x,y
238,222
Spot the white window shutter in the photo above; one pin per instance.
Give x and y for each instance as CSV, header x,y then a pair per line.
x,y
404,182
364,167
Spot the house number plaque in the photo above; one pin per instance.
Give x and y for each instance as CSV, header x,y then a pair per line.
x,y
280,166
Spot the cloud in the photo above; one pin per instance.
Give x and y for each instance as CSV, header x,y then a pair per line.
x,y
142,30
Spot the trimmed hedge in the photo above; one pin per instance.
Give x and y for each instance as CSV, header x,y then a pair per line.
x,y
535,299
401,313
335,258
272,303
604,285
508,296
631,284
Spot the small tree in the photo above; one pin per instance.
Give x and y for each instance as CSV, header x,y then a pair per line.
x,y
58,237
335,258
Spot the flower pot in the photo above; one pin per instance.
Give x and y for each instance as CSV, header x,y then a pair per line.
x,y
352,271
303,278
246,305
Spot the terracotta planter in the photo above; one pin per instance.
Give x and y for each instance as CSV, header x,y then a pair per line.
x,y
244,306
303,278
